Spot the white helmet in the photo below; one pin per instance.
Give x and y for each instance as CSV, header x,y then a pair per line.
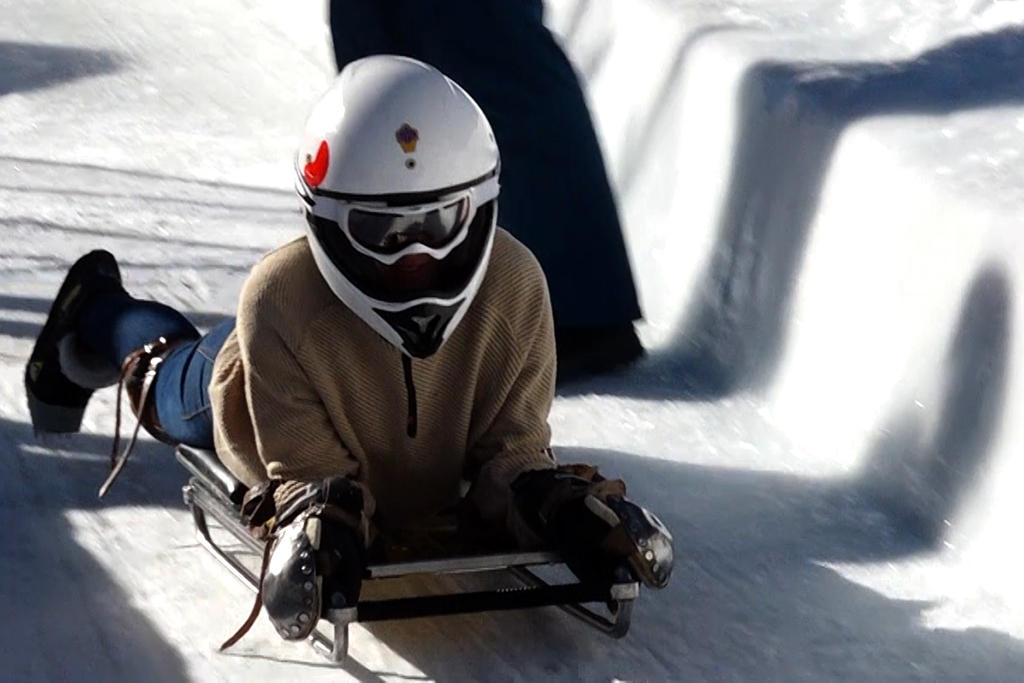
x,y
397,161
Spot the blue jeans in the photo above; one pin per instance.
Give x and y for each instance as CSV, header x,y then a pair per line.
x,y
116,324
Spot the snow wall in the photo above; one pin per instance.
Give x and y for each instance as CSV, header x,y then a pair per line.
x,y
831,213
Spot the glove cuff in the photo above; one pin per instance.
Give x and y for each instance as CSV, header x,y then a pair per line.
x,y
540,495
337,499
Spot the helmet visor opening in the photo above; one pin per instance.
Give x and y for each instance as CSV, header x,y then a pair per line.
x,y
449,275
390,232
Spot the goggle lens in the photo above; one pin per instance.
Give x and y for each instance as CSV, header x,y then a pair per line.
x,y
388,233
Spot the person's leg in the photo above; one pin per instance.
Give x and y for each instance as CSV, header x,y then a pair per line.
x,y
181,388
96,332
167,380
113,325
176,406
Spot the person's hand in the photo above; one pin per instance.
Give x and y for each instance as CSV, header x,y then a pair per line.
x,y
317,557
589,520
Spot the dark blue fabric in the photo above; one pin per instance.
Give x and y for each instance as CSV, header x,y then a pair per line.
x,y
182,389
113,325
555,195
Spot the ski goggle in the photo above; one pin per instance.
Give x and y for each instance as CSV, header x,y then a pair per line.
x,y
387,233
390,232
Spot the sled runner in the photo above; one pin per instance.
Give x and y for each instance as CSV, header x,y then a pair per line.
x,y
212,492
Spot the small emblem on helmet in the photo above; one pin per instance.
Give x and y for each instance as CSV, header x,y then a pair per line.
x,y
315,170
407,137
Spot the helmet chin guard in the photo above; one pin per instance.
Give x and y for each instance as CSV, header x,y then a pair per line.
x,y
422,327
398,174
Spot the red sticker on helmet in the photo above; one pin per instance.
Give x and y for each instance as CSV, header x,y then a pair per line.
x,y
407,137
315,170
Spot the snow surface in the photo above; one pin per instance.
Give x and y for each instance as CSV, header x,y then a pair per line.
x,y
823,204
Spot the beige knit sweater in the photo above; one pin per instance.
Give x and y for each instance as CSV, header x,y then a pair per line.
x,y
304,389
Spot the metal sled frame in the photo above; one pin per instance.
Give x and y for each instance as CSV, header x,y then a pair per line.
x,y
213,492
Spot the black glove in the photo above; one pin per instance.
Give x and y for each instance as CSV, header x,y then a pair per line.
x,y
589,520
317,559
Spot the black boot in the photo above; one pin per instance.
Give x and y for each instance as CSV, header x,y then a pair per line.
x,y
56,403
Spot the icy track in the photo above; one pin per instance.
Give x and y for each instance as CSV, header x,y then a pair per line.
x,y
823,203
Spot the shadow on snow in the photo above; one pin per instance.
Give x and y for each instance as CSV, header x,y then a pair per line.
x,y
749,599
67,618
30,66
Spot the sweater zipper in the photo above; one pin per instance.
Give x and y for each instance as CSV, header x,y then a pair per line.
x,y
411,419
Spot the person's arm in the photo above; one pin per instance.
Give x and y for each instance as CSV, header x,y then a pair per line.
x,y
518,439
320,517
295,438
294,435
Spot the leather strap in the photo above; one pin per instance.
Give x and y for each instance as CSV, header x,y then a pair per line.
x,y
117,462
151,355
254,613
